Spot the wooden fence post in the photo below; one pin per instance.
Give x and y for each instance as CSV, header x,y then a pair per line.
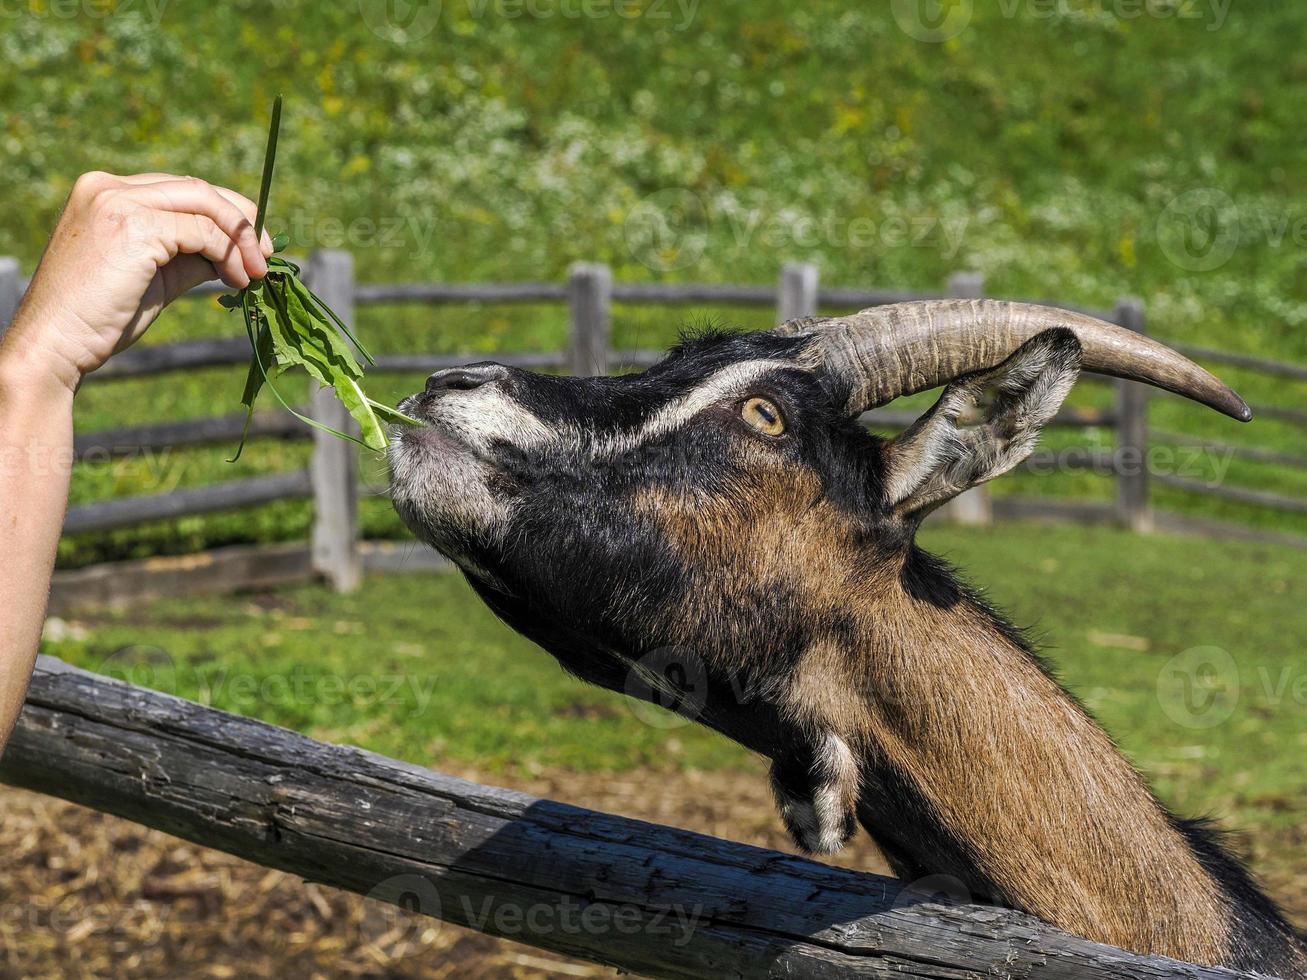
x,y
1133,507
333,469
589,300
10,291
973,508
797,294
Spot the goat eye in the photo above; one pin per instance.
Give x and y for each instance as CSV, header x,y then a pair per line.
x,y
763,415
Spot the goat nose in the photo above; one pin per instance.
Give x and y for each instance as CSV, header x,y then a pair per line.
x,y
466,378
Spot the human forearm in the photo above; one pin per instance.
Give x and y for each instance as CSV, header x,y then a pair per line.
x,y
35,463
123,249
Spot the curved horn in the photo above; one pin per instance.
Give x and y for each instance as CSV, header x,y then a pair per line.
x,y
888,351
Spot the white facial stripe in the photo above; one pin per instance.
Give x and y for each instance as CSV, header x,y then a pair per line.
x,y
729,381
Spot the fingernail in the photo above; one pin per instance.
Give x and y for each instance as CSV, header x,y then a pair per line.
x,y
266,242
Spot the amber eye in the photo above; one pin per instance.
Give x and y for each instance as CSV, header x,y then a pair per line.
x,y
763,416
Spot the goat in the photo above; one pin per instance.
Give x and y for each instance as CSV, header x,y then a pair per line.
x,y
727,502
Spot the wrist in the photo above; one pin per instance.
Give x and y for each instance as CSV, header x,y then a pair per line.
x,y
30,374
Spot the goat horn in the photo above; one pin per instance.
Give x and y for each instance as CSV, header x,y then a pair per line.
x,y
888,351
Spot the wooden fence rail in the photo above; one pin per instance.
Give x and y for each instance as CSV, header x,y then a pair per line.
x,y
641,897
591,296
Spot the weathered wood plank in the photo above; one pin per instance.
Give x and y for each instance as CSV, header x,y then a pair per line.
x,y
638,896
1257,454
144,361
677,293
217,572
796,294
105,515
12,288
1206,527
1053,509
334,466
590,302
460,292
160,436
1280,369
1243,495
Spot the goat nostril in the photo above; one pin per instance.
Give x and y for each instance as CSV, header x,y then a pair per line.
x,y
466,378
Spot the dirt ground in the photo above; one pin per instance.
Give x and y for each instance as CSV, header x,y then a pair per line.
x,y
87,895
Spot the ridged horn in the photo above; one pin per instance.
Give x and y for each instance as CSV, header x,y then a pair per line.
x,y
888,351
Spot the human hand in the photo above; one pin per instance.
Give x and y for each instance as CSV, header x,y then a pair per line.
x,y
124,248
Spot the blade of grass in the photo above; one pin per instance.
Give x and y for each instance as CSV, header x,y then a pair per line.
x,y
269,160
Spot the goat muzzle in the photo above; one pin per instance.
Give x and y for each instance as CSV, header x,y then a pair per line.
x,y
888,351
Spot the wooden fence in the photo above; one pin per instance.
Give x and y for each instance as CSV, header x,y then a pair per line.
x,y
336,551
643,898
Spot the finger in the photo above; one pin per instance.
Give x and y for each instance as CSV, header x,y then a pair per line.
x,y
196,197
196,234
248,207
146,178
251,211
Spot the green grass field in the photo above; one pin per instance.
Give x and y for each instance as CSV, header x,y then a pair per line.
x,y
1156,155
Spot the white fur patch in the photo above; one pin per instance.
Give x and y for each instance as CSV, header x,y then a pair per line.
x,y
733,381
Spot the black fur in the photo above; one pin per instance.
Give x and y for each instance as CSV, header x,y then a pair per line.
x,y
581,572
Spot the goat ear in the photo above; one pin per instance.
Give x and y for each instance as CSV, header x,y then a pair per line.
x,y
983,425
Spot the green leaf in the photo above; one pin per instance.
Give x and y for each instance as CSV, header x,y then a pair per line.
x,y
352,397
269,160
393,414
288,326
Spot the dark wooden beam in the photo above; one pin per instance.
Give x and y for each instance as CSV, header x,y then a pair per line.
x,y
638,896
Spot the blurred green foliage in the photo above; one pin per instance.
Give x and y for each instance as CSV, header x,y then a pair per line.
x,y
1070,150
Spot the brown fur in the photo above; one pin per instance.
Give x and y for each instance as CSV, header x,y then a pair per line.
x,y
1014,768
